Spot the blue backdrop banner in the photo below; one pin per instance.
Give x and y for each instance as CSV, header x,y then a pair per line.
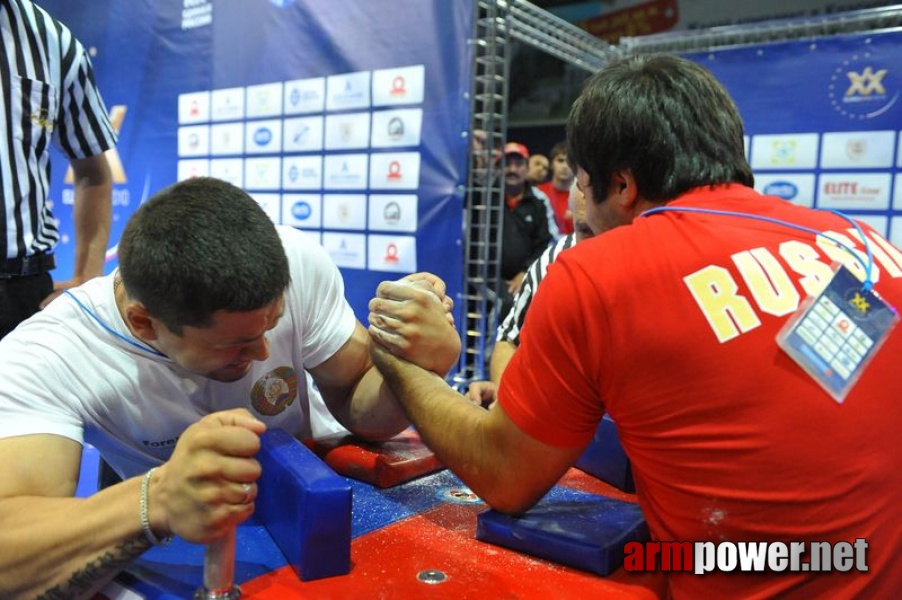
x,y
345,119
822,120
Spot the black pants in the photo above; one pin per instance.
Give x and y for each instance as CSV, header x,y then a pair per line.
x,y
20,297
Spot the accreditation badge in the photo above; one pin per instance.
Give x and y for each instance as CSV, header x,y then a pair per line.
x,y
835,335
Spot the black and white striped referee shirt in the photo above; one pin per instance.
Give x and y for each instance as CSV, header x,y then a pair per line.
x,y
509,330
48,95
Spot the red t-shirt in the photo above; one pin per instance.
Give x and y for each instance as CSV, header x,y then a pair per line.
x,y
673,333
560,204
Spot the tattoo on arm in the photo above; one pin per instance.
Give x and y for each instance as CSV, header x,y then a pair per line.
x,y
102,567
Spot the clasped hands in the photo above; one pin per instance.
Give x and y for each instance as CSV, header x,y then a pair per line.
x,y
411,319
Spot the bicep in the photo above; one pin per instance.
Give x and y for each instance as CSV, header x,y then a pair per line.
x,y
338,375
39,465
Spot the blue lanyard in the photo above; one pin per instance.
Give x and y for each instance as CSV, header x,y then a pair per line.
x,y
868,266
112,331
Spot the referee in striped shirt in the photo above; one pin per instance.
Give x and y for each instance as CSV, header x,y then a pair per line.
x,y
508,334
47,94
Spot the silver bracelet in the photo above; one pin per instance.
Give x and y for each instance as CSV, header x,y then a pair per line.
x,y
145,512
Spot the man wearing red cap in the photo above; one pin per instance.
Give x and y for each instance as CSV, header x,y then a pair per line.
x,y
526,222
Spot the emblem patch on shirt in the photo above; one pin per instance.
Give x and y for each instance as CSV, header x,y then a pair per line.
x,y
275,391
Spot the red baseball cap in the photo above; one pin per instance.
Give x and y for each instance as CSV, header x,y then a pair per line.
x,y
516,148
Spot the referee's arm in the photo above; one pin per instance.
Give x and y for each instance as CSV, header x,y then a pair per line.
x,y
91,216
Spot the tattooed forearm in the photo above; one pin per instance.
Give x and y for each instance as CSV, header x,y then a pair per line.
x,y
97,572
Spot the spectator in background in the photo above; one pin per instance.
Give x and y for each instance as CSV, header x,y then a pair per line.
x,y
508,335
558,188
538,169
48,95
526,230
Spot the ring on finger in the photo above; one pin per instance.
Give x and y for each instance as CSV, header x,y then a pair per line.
x,y
247,493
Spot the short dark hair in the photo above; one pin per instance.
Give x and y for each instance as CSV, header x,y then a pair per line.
x,y
559,148
666,119
200,246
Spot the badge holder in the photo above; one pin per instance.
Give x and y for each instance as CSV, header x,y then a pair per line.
x,y
836,334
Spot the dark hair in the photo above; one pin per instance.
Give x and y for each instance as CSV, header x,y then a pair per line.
x,y
200,246
559,148
666,119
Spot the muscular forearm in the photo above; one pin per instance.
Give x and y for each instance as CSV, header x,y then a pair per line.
x,y
373,413
68,547
461,435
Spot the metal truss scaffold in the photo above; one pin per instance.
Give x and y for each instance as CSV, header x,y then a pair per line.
x,y
496,23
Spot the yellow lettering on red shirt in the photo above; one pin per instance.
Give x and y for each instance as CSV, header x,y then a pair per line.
x,y
805,260
849,256
769,283
728,313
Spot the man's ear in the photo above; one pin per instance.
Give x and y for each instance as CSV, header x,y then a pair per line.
x,y
623,189
140,322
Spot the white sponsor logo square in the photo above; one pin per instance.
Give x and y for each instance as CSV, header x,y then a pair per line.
x,y
897,191
226,138
345,172
351,90
305,96
227,105
797,188
347,250
853,190
194,107
344,211
264,100
263,137
858,150
789,151
194,140
303,134
394,128
262,173
302,210
393,212
392,253
402,85
302,172
395,170
348,131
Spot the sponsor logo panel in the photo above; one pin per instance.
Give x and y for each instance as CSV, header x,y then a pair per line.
x,y
344,211
858,150
305,96
853,190
194,140
347,250
302,173
351,90
194,107
227,104
790,151
348,131
271,205
797,188
303,134
393,128
262,173
393,212
264,100
226,138
195,167
395,170
402,85
392,253
263,137
345,171
302,210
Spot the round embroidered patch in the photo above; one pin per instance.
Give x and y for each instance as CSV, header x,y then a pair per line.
x,y
275,391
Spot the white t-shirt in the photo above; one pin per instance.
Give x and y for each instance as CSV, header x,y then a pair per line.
x,y
63,372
